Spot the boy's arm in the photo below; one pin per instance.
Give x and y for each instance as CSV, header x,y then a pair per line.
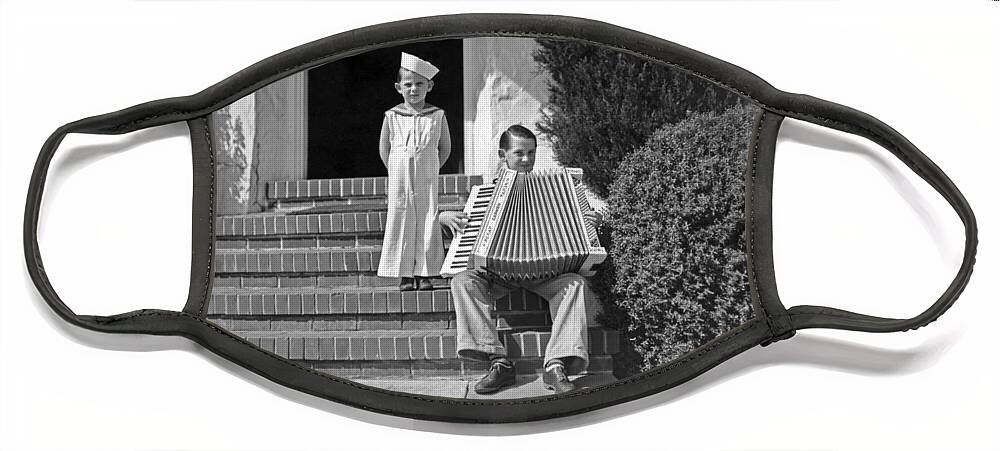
x,y
383,142
444,144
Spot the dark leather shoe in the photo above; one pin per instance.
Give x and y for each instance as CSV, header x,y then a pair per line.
x,y
555,379
501,375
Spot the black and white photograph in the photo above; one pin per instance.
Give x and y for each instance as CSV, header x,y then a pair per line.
x,y
491,217
498,225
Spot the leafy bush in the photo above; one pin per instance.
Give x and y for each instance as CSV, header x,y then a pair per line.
x,y
677,273
605,103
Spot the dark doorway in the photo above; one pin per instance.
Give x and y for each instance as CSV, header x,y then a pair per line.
x,y
348,97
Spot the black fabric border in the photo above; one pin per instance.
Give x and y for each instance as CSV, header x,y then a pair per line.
x,y
287,373
203,217
760,264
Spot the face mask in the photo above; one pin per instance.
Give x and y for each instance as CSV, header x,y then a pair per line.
x,y
486,218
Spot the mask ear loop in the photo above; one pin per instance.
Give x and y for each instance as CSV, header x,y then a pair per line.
x,y
147,321
852,121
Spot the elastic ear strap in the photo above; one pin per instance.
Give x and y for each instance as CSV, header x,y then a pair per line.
x,y
132,322
855,122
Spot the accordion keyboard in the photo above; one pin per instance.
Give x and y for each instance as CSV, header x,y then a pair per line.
x,y
457,259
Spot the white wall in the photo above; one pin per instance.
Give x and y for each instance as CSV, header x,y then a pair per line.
x,y
503,86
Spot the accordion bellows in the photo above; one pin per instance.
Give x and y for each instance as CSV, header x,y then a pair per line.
x,y
527,226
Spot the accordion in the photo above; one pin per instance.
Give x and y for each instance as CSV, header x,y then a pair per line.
x,y
527,226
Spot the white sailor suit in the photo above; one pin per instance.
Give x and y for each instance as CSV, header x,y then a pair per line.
x,y
412,245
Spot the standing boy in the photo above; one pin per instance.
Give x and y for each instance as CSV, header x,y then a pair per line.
x,y
414,144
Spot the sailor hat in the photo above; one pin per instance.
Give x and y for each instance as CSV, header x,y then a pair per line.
x,y
414,64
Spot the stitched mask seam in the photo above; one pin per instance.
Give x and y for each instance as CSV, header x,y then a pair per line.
x,y
211,220
753,221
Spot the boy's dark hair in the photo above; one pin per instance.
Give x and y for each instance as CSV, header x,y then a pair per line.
x,y
516,130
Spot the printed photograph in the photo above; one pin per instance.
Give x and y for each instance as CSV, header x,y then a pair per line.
x,y
483,218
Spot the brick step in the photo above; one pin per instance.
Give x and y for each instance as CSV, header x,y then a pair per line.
x,y
337,281
356,300
297,207
509,320
356,260
438,369
403,345
357,241
279,225
321,219
299,261
316,242
357,187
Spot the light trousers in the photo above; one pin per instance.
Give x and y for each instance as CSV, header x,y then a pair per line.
x,y
474,295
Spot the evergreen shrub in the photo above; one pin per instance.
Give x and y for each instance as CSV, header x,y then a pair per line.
x,y
676,276
605,103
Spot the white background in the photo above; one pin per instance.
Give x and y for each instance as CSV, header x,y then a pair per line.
x,y
853,229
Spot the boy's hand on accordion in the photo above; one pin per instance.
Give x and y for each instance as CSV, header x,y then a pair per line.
x,y
594,217
453,220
